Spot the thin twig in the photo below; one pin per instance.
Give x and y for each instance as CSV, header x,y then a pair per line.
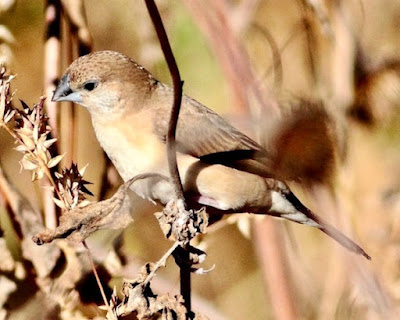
x,y
161,262
177,84
311,44
97,277
171,147
276,55
146,176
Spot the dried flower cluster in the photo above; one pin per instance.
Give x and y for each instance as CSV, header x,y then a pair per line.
x,y
71,188
32,134
6,110
139,298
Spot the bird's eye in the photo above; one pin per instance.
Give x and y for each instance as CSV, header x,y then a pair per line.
x,y
90,85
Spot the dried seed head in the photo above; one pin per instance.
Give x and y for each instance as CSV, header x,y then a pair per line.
x,y
32,133
71,186
7,112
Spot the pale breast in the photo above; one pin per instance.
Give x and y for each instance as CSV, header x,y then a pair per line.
x,y
130,144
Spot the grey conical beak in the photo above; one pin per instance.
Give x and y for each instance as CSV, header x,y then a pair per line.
x,y
64,93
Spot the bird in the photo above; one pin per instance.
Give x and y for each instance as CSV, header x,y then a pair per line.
x,y
221,168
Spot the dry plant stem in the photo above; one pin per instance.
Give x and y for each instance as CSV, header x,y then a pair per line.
x,y
312,48
70,119
74,11
243,14
52,53
97,277
215,20
185,271
276,64
177,85
274,268
71,146
161,262
77,35
69,39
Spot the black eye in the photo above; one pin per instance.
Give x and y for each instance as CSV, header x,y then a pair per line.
x,y
90,85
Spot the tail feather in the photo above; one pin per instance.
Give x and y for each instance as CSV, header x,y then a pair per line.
x,y
325,227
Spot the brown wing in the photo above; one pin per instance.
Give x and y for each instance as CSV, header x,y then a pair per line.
x,y
204,134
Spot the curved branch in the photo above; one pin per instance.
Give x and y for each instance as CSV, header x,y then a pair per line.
x,y
177,85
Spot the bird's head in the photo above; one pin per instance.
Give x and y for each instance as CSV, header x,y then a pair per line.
x,y
105,82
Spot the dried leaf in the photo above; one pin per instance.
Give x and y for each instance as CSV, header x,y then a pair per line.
x,y
77,224
49,143
27,139
59,203
9,115
28,163
21,148
139,298
54,161
83,170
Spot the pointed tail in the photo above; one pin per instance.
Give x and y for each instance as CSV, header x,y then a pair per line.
x,y
316,221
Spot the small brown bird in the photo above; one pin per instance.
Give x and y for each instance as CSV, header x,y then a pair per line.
x,y
220,167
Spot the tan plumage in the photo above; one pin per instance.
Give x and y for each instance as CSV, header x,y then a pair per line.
x,y
220,167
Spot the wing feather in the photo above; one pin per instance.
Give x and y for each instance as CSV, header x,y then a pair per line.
x,y
210,138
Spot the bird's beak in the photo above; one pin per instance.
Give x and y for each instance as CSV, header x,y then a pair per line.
x,y
64,93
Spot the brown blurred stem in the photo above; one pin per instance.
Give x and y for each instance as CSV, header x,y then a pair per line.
x,y
271,254
74,12
312,48
70,121
171,150
77,37
96,275
52,53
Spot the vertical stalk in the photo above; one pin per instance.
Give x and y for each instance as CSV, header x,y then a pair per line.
x,y
171,147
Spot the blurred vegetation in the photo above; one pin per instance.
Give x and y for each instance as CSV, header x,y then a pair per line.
x,y
325,282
